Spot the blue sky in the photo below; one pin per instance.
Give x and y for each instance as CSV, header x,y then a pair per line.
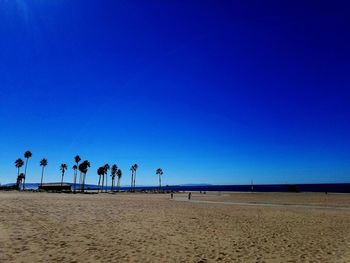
x,y
217,92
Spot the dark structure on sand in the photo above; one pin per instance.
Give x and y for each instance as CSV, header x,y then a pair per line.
x,y
55,187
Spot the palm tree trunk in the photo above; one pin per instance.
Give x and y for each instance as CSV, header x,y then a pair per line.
x,y
134,180
99,181
118,184
42,176
17,182
106,182
80,181
103,181
160,183
75,180
25,173
84,182
62,178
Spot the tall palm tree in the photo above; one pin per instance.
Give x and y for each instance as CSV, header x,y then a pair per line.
x,y
106,167
119,175
100,172
43,164
132,176
114,171
75,169
83,168
135,169
103,178
77,160
159,172
63,169
19,163
27,155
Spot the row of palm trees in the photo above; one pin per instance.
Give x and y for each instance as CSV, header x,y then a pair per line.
x,y
83,168
103,171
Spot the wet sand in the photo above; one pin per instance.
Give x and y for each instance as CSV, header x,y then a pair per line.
x,y
42,227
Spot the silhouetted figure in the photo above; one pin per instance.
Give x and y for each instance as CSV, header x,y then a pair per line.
x,y
189,195
171,195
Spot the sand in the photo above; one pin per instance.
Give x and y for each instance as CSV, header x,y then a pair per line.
x,y
43,227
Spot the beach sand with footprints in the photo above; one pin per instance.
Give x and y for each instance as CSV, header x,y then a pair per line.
x,y
47,227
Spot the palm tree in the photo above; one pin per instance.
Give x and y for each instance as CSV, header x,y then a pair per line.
x,y
77,160
135,169
43,164
159,172
87,166
75,169
63,169
19,163
106,168
103,178
119,175
27,155
132,176
100,172
114,171
83,168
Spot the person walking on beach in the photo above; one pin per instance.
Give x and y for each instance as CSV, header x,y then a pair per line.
x,y
189,195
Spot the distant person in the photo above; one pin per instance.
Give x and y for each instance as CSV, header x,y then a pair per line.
x,y
189,195
171,195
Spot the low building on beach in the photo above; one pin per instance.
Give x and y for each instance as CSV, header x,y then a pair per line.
x,y
56,187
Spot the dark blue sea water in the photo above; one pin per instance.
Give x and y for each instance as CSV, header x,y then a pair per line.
x,y
331,188
336,188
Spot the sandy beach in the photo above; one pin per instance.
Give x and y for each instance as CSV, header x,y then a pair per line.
x,y
43,227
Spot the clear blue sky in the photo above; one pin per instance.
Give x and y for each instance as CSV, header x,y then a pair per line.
x,y
217,92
